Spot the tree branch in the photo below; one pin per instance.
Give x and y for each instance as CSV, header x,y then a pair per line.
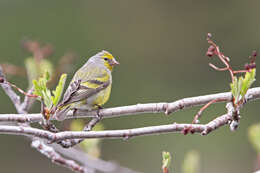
x,y
167,108
57,158
91,162
9,91
126,133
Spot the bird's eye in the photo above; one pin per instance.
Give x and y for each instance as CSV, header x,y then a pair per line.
x,y
105,59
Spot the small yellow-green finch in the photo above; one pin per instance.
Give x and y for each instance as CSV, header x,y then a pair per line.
x,y
90,87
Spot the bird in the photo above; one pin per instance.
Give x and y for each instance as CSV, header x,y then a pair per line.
x,y
90,87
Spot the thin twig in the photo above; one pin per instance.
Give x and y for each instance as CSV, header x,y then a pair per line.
x,y
217,68
22,91
28,101
72,142
197,116
57,158
166,170
91,162
8,90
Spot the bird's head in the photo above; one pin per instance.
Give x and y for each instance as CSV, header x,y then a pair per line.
x,y
108,59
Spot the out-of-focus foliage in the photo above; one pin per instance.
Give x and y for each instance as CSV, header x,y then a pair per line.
x,y
254,136
191,162
91,146
35,68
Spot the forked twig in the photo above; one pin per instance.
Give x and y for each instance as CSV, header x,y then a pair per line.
x,y
197,116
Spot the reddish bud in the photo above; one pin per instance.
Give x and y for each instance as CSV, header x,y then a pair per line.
x,y
209,35
185,131
252,65
254,53
246,66
2,80
211,48
209,54
211,51
192,131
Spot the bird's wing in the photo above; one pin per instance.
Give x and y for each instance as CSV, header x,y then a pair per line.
x,y
88,81
84,92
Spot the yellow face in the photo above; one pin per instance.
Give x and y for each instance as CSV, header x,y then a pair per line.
x,y
109,60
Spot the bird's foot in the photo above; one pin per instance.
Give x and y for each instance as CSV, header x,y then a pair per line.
x,y
98,116
74,112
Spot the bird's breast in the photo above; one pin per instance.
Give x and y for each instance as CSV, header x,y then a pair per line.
x,y
102,97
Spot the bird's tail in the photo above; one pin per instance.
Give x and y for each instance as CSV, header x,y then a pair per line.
x,y
61,112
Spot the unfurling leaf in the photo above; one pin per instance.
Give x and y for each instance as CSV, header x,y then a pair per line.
x,y
240,86
59,89
40,89
234,89
248,81
166,161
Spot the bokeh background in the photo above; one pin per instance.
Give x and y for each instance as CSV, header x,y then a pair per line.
x,y
161,48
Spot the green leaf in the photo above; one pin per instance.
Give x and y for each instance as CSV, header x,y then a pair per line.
x,y
166,159
236,87
47,98
233,87
191,162
254,136
37,88
239,87
248,81
59,89
40,89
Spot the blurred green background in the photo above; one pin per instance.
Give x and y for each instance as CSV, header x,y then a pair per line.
x,y
161,48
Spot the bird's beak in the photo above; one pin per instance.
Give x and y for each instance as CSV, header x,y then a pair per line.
x,y
114,62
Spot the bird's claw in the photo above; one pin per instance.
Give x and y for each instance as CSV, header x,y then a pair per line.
x,y
98,116
74,112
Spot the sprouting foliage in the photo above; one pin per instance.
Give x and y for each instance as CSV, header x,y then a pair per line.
x,y
166,160
59,89
41,89
248,81
240,86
